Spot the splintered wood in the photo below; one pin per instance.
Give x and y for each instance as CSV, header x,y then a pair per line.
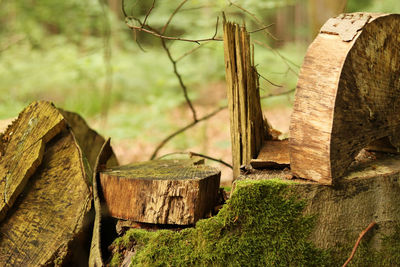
x,y
161,191
247,126
348,95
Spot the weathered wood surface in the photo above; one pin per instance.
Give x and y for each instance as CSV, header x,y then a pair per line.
x,y
248,129
161,191
274,154
96,255
348,94
370,191
89,140
47,224
22,146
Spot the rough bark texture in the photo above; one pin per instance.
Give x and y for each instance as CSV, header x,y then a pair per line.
x,y
24,142
247,125
369,192
347,94
161,191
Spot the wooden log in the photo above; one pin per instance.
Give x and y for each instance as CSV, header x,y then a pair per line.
x,y
347,94
48,223
248,129
161,191
369,192
22,147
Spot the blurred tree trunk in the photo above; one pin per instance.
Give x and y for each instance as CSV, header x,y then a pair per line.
x,y
116,7
321,10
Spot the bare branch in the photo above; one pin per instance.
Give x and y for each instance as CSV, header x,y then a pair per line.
x,y
265,79
191,51
148,12
191,154
172,16
206,117
183,86
370,226
197,41
190,125
261,29
254,17
285,60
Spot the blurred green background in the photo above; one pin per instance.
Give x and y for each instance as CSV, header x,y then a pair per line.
x,y
55,50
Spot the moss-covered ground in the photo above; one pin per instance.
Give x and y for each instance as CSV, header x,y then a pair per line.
x,y
262,224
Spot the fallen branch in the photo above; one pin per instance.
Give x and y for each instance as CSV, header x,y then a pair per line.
x,y
191,154
370,226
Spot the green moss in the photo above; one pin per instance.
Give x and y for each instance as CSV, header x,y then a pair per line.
x,y
261,225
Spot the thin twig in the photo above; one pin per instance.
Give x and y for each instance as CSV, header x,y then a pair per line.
x,y
261,29
270,82
174,65
191,154
172,16
181,130
191,51
148,12
182,84
209,115
197,41
254,17
284,59
370,226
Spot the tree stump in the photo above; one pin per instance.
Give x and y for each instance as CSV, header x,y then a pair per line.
x,y
161,191
369,192
348,94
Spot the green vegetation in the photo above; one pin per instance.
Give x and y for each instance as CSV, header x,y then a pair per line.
x,y
261,225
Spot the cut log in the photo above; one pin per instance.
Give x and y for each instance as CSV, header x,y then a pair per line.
x,y
274,155
369,192
248,129
161,191
348,94
47,224
22,146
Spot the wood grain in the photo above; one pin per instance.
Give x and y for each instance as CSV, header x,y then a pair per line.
x,y
274,155
22,146
47,224
347,95
160,191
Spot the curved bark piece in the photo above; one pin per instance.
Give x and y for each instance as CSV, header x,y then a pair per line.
x,y
47,225
88,139
348,94
95,258
22,146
